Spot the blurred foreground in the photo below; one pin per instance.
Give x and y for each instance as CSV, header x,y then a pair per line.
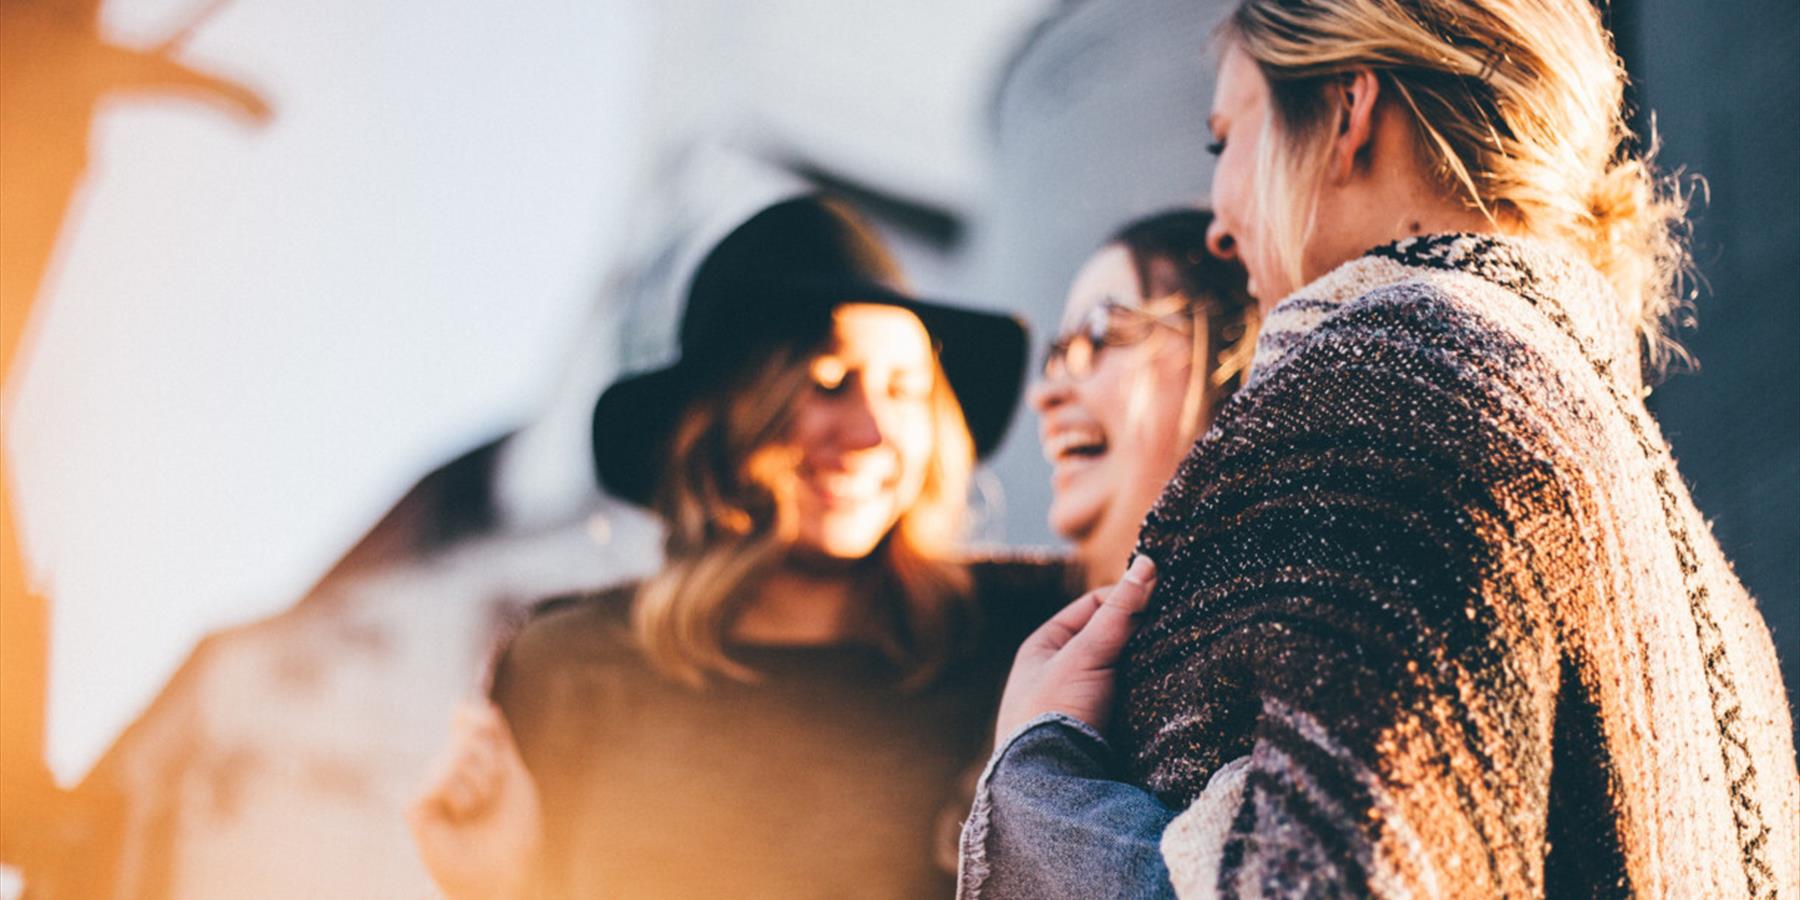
x,y
995,146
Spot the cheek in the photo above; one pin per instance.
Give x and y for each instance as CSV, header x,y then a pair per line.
x,y
811,423
912,437
1105,393
1156,433
1234,191
1229,189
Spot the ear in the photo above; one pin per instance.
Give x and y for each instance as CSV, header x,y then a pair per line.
x,y
1357,91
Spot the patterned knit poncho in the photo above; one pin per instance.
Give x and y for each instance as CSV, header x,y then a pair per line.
x,y
1436,615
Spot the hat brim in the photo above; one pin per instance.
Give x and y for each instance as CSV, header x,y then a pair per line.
x,y
633,421
983,355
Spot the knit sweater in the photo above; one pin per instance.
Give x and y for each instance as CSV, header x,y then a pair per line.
x,y
1437,616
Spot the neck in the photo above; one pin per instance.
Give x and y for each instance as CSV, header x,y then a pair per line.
x,y
1103,552
796,606
1383,222
1098,568
1391,194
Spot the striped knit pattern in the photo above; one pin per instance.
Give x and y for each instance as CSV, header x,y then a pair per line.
x,y
1436,615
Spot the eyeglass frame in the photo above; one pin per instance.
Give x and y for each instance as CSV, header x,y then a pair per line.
x,y
1096,331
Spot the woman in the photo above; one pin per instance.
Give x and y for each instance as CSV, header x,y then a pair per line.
x,y
786,708
1433,610
1157,332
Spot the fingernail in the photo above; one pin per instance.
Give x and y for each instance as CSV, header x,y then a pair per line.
x,y
1141,571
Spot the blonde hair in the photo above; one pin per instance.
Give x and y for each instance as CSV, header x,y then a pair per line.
x,y
1518,105
727,499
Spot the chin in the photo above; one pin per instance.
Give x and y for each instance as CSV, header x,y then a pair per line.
x,y
1072,525
849,551
847,540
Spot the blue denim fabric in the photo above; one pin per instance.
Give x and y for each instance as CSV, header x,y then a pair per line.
x,y
1052,821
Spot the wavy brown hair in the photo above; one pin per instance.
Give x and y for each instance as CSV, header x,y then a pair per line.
x,y
726,497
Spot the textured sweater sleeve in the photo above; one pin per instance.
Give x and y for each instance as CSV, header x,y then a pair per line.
x,y
1351,627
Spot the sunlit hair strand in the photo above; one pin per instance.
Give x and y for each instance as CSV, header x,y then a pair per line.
x,y
1518,108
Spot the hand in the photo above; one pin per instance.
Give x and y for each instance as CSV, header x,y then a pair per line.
x,y
476,819
1066,665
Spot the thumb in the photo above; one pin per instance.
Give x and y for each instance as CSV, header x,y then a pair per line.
x,y
1099,643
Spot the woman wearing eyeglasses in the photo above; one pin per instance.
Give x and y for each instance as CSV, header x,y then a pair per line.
x,y
1434,614
1157,332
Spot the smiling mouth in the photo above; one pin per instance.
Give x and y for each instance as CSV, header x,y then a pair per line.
x,y
1073,444
847,488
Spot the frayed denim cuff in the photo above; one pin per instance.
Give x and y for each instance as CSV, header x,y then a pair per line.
x,y
1050,821
972,867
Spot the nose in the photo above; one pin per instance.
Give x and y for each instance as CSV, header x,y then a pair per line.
x,y
859,425
1048,393
1220,241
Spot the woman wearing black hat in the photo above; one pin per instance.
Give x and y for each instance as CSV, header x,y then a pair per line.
x,y
786,708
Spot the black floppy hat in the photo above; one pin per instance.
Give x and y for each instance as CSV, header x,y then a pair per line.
x,y
773,282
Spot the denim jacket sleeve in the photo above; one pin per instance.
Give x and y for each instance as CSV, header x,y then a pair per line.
x,y
1050,821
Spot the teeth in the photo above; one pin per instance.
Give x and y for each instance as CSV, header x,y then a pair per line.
x,y
1062,443
851,486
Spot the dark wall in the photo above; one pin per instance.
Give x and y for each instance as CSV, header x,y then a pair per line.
x,y
1723,84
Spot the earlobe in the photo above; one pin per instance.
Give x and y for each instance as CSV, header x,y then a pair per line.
x,y
1356,121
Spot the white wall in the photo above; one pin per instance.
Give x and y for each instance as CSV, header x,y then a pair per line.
x,y
258,338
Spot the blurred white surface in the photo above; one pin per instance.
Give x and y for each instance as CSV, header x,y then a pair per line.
x,y
256,339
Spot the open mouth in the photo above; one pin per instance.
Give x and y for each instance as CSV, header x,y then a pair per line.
x,y
1073,444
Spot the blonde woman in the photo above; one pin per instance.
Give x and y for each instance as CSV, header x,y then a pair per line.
x,y
786,709
1433,613
1156,333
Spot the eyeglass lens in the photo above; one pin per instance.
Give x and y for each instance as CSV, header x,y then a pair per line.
x,y
1075,352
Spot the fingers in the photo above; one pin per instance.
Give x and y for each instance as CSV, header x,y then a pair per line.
x,y
1132,593
465,777
1109,626
1068,621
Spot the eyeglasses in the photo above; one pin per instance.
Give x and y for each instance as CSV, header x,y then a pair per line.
x,y
1076,352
